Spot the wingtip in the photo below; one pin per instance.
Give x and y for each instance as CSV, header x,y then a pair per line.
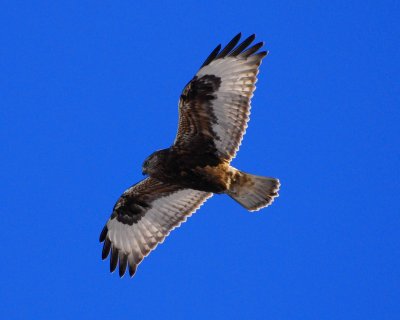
x,y
106,249
252,37
132,270
237,37
123,259
113,259
103,234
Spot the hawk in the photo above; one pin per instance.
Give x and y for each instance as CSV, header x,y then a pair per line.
x,y
214,109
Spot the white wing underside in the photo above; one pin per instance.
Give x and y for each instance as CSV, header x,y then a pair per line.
x,y
233,99
134,242
216,103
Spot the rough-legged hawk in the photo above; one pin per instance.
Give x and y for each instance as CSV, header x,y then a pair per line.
x,y
214,110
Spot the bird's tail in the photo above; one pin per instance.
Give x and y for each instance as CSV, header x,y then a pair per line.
x,y
253,192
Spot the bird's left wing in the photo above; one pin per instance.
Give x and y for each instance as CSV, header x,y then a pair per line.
x,y
142,217
214,107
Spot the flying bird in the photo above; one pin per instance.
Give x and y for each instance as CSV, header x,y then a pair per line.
x,y
214,109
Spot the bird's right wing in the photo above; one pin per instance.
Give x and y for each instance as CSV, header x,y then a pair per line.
x,y
214,107
142,217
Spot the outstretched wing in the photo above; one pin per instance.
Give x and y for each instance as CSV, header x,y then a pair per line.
x,y
214,107
142,217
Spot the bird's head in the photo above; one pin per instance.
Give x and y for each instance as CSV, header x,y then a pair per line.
x,y
153,162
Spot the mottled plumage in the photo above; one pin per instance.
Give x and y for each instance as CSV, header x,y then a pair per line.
x,y
214,109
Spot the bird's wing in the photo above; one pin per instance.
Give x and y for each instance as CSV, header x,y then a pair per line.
x,y
142,217
214,107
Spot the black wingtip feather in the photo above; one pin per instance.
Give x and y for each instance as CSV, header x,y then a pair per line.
x,y
242,50
243,45
262,54
106,249
252,50
103,234
212,56
113,259
229,46
132,269
122,264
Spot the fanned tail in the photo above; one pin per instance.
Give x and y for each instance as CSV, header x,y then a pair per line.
x,y
253,192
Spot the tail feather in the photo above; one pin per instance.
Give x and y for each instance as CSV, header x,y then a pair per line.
x,y
253,192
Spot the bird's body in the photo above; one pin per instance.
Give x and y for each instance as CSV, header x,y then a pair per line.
x,y
202,171
214,109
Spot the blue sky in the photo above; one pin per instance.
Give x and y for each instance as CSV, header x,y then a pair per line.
x,y
89,89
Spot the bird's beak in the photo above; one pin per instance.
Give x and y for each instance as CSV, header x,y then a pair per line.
x,y
144,172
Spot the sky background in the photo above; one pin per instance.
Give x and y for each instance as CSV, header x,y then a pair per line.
x,y
89,89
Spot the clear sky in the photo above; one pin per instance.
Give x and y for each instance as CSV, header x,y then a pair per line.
x,y
88,89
